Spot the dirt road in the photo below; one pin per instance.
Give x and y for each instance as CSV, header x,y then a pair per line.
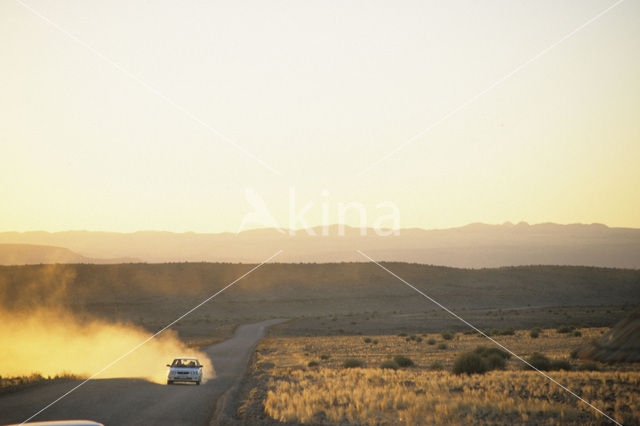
x,y
139,402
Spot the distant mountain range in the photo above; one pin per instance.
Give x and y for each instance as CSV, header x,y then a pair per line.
x,y
473,246
28,254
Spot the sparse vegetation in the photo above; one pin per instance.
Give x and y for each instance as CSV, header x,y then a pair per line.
x,y
313,364
535,332
442,346
431,341
509,396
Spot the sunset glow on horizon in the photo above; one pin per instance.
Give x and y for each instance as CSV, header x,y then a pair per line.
x,y
160,115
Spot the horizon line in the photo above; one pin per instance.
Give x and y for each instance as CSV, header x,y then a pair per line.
x,y
507,224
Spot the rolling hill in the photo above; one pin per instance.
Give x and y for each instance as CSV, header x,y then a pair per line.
x,y
472,246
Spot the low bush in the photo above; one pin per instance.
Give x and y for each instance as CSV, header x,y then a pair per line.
x,y
313,364
431,341
509,331
539,361
535,332
389,364
560,364
367,340
494,362
402,335
352,363
469,363
442,346
325,356
565,329
577,333
374,341
447,334
403,361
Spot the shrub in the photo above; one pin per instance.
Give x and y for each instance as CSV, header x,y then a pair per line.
x,y
577,333
539,361
403,361
447,334
431,341
484,351
494,362
352,363
469,363
367,340
313,364
565,329
442,346
325,356
418,339
374,341
509,331
402,335
389,364
535,332
560,364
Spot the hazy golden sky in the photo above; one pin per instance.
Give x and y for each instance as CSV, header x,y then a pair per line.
x,y
318,90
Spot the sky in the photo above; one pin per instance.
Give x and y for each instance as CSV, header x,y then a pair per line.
x,y
139,115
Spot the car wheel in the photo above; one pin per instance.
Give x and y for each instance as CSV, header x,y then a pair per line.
x,y
169,382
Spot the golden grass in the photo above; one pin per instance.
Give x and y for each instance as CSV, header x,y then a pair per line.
x,y
330,394
375,396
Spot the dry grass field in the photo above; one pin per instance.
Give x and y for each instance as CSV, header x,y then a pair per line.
x,y
303,380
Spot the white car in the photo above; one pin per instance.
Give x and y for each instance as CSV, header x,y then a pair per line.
x,y
184,370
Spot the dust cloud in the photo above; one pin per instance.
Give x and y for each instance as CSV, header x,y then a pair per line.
x,y
51,342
